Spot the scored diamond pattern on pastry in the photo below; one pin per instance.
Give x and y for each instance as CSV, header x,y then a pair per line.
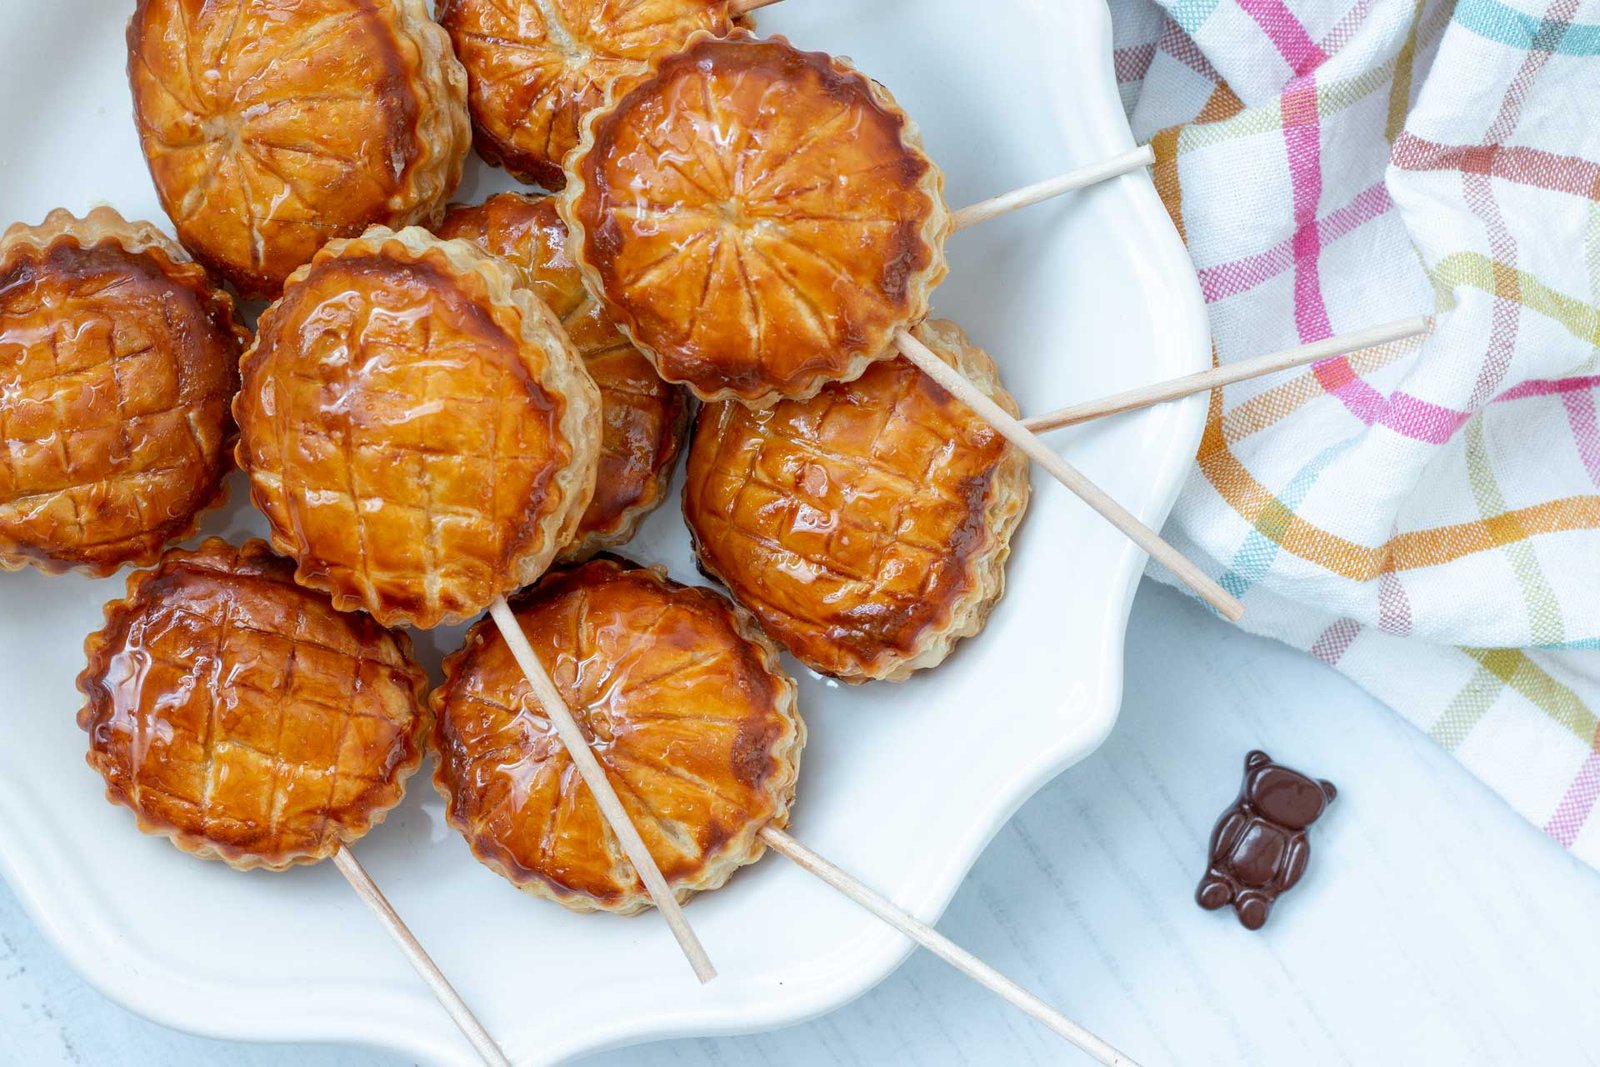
x,y
866,527
416,449
117,364
244,716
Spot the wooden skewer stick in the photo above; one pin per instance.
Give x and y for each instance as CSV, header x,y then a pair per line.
x,y
446,993
600,786
1050,188
1012,430
943,947
744,7
1216,377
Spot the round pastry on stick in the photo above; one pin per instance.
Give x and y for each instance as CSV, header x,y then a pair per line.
x,y
417,428
690,714
271,126
759,220
242,716
867,527
245,719
645,417
118,359
694,718
535,67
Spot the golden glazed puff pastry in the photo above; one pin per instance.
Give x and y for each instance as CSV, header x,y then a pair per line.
x,y
242,717
867,527
645,418
271,126
535,67
690,715
117,362
418,430
760,220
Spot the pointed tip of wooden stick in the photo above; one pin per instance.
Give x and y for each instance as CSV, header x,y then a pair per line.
x,y
941,946
704,969
483,1042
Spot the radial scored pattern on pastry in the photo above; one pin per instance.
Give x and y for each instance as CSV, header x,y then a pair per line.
x,y
645,417
689,713
242,716
760,220
118,359
536,67
867,527
418,430
271,126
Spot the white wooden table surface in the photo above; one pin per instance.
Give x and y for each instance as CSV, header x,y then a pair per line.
x,y
1433,927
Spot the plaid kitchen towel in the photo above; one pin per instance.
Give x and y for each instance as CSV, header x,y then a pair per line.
x,y
1423,516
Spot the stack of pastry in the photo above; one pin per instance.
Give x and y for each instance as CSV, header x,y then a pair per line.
x,y
644,418
429,420
418,414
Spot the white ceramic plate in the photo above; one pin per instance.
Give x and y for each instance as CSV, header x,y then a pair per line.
x,y
902,785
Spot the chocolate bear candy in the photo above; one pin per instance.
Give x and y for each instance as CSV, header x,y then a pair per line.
x,y
1259,848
